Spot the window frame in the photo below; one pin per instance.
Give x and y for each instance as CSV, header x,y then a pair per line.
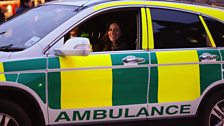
x,y
209,30
184,11
92,14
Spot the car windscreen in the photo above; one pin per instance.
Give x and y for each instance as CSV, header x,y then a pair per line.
x,y
26,29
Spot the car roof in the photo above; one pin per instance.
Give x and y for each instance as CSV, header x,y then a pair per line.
x,y
95,2
68,2
209,10
77,2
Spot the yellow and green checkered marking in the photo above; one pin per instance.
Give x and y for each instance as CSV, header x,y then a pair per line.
x,y
179,76
176,77
94,83
35,81
103,80
88,87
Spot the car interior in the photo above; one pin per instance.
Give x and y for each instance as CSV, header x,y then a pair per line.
x,y
95,28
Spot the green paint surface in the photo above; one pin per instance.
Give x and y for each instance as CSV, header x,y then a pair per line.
x,y
222,53
35,81
23,65
212,52
117,58
54,84
11,77
153,88
129,84
153,58
209,73
53,63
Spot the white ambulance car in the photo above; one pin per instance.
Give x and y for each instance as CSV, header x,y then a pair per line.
x,y
172,66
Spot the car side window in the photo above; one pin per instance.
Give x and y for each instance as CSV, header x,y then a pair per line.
x,y
96,29
175,29
217,30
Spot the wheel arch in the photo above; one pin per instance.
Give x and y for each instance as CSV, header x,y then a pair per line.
x,y
215,87
27,99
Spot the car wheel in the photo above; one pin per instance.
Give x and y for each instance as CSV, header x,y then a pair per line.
x,y
212,112
12,115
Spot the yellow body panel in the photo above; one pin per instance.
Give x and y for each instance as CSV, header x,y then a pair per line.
x,y
82,88
150,29
2,76
214,12
208,32
119,3
144,29
180,82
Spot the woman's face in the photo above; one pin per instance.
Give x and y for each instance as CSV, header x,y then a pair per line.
x,y
114,32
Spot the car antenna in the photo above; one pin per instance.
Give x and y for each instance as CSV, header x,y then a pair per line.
x,y
82,6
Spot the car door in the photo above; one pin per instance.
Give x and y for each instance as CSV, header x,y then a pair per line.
x,y
216,29
104,86
184,62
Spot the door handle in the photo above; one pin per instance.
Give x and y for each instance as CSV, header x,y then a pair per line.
x,y
133,59
208,56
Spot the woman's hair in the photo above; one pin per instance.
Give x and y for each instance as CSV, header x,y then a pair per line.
x,y
114,21
106,41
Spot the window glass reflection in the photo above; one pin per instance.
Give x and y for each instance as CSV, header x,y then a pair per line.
x,y
175,29
217,30
26,29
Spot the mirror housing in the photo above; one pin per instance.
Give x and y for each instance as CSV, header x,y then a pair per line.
x,y
76,46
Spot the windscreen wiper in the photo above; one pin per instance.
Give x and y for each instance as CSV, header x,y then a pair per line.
x,y
6,46
10,48
2,32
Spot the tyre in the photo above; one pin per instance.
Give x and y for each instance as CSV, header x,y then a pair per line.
x,y
12,114
212,111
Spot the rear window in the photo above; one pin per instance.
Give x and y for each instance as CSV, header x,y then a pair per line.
x,y
217,30
176,29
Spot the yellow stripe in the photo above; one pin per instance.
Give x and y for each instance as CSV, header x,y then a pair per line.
x,y
2,76
120,3
208,32
214,12
150,29
82,88
144,29
178,83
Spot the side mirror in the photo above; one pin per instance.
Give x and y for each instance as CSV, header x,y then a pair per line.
x,y
77,46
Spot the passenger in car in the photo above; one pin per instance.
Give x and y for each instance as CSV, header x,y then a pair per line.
x,y
77,32
114,38
74,32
